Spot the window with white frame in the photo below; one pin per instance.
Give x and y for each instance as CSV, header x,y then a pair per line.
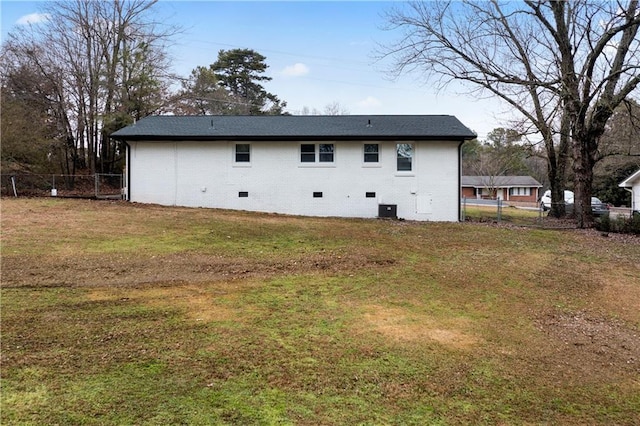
x,y
308,153
326,152
323,152
405,157
243,153
371,153
520,191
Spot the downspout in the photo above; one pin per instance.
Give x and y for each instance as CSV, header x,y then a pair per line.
x,y
460,180
128,168
633,201
175,173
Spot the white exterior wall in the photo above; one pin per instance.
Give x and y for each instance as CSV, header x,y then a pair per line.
x,y
204,174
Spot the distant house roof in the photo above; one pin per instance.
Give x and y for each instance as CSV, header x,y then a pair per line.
x,y
499,181
290,127
628,182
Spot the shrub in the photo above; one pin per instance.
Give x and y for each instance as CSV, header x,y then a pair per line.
x,y
634,224
622,225
603,223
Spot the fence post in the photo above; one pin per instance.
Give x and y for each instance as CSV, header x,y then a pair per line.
x,y
13,183
540,211
54,190
464,209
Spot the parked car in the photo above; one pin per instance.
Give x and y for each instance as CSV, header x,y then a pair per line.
x,y
598,208
545,201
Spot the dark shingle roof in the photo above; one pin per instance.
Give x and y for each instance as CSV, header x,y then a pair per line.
x,y
499,181
290,127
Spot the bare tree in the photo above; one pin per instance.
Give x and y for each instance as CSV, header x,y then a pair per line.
x,y
621,138
102,59
332,108
29,79
561,65
28,134
619,153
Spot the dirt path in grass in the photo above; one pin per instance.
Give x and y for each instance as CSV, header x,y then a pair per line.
x,y
119,270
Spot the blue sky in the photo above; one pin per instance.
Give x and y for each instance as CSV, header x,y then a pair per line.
x,y
318,53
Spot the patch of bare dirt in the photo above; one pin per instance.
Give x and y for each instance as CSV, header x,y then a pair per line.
x,y
123,270
402,325
199,303
589,345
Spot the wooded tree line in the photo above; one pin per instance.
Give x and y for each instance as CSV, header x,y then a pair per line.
x,y
96,66
567,69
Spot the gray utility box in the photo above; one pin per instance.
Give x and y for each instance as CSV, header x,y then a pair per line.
x,y
388,210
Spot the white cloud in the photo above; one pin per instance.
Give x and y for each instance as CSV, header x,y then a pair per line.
x,y
33,18
295,70
370,102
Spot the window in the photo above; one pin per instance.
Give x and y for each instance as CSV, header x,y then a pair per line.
x,y
308,153
243,153
405,156
243,194
370,194
324,153
520,191
317,195
371,153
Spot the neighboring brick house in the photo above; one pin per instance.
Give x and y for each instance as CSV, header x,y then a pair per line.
x,y
507,188
351,166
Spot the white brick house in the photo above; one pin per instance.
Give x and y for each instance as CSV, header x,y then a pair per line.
x,y
632,184
349,166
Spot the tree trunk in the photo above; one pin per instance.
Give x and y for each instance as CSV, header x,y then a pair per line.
x,y
583,180
557,167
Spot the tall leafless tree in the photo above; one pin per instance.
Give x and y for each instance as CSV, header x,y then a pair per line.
x,y
102,58
562,65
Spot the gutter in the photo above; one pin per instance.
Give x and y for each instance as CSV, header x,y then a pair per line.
x,y
633,202
460,179
128,166
280,138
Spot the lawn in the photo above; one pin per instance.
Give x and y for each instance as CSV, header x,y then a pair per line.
x,y
117,313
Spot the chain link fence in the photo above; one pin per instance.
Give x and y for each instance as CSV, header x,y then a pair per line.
x,y
497,210
98,186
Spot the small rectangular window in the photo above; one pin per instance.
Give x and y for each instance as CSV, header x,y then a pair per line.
x,y
371,153
326,152
317,195
243,194
405,157
308,153
520,191
243,153
370,195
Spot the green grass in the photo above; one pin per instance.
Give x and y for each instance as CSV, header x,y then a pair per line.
x,y
508,214
115,313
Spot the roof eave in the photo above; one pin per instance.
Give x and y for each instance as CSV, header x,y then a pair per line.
x,y
202,138
627,183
